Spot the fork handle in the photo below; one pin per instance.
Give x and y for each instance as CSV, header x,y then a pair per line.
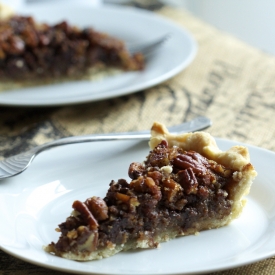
x,y
197,124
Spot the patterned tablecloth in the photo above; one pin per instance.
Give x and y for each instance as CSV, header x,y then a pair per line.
x,y
229,81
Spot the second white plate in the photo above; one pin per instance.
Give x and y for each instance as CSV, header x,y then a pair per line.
x,y
36,201
129,24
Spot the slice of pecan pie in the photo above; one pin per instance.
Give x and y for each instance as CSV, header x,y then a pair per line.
x,y
31,51
185,185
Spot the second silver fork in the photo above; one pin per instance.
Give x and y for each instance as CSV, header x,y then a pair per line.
x,y
147,48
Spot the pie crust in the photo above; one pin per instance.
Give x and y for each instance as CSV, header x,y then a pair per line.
x,y
185,185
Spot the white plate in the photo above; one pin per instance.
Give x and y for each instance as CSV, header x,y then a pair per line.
x,y
33,204
130,24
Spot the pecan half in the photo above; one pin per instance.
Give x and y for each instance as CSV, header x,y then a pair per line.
x,y
85,214
184,161
188,181
155,175
98,208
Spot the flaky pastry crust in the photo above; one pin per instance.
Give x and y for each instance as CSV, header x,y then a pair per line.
x,y
236,158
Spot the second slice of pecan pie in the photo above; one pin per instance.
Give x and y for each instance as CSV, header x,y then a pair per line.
x,y
185,185
32,51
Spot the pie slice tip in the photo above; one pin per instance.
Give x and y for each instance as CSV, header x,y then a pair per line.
x,y
185,185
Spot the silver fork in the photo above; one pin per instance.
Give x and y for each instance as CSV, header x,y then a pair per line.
x,y
147,48
16,164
